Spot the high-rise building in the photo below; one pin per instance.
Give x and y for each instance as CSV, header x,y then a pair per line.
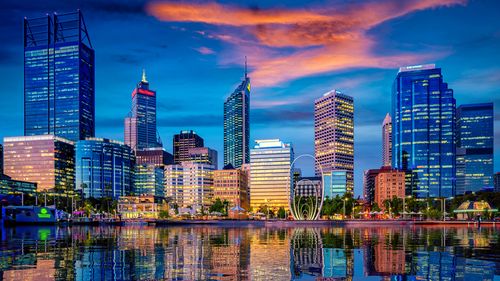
x,y
334,135
237,125
59,79
190,185
387,141
203,155
423,132
496,182
183,142
231,184
46,160
149,181
140,126
369,184
474,147
104,168
389,183
270,174
1,159
154,155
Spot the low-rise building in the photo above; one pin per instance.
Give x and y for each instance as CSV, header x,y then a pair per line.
x,y
231,184
389,183
141,207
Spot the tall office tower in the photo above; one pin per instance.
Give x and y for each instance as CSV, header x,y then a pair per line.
x,y
183,142
387,141
231,184
46,160
154,155
474,147
203,155
173,182
1,159
140,126
237,125
59,83
270,175
496,182
369,184
104,168
149,181
423,133
334,135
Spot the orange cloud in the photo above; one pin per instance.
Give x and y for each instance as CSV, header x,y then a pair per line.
x,y
205,50
322,39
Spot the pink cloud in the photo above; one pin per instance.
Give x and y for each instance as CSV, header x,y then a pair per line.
x,y
205,51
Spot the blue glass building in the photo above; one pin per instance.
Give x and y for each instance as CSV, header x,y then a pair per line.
x,y
104,168
237,125
140,126
336,183
474,147
59,84
423,133
149,180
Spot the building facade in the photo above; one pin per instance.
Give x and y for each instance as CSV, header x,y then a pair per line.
x,y
496,182
204,155
183,142
149,181
104,168
270,174
423,133
389,183
154,155
46,160
475,144
387,141
369,184
334,135
308,186
231,184
8,186
173,182
336,183
140,126
59,77
237,125
1,159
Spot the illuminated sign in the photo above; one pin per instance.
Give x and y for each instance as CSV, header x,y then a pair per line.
x,y
44,214
248,87
143,92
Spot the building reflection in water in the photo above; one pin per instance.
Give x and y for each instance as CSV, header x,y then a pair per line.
x,y
219,253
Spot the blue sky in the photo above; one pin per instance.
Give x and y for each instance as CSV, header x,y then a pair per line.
x,y
193,53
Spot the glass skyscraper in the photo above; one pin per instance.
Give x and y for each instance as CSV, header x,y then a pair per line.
x,y
149,181
237,125
104,168
59,84
334,137
474,147
140,126
423,132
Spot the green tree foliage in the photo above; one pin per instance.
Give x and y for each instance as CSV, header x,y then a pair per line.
x,y
281,213
217,206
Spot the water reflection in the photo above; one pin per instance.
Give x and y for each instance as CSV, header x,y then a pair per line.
x,y
218,253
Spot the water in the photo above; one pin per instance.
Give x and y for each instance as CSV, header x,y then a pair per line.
x,y
218,253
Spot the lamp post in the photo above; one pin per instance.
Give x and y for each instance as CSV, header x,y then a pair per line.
x,y
344,200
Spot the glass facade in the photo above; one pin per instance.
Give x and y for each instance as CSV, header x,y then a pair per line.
x,y
104,168
270,174
237,125
183,142
140,127
474,147
10,186
423,132
336,183
203,155
59,79
1,159
149,181
334,135
46,160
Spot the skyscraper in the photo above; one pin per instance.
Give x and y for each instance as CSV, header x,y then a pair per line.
x,y
59,84
140,126
149,181
423,133
334,135
387,141
46,160
474,147
1,159
270,175
237,125
183,142
104,168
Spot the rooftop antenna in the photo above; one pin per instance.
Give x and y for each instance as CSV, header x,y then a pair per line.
x,y
246,73
144,76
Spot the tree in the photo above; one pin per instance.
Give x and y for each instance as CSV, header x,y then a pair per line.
x,y
375,207
281,213
217,206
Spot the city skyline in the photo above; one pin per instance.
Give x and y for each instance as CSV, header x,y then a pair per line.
x,y
287,111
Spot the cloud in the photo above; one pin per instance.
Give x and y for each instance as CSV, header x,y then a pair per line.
x,y
205,51
311,41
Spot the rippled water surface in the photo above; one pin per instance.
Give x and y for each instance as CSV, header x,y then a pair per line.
x,y
219,253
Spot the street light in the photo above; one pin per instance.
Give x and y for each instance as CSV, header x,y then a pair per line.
x,y
344,200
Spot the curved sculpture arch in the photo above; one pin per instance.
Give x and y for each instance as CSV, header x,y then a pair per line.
x,y
307,208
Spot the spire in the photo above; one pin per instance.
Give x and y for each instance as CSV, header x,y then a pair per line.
x,y
246,73
144,80
387,119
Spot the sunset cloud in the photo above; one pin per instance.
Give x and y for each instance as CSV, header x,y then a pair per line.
x,y
205,51
319,40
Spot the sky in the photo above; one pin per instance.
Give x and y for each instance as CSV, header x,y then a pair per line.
x,y
193,53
